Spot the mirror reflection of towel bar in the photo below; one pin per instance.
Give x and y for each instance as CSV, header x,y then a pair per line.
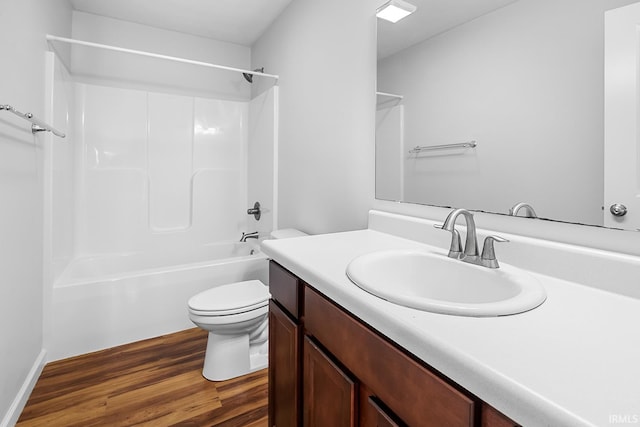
x,y
419,149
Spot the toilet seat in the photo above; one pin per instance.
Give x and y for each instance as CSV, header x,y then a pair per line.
x,y
229,312
234,298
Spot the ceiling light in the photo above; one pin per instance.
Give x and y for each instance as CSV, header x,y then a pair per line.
x,y
395,10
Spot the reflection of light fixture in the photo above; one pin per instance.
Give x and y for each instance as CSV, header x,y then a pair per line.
x,y
395,10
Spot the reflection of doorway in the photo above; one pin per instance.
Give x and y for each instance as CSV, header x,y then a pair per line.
x,y
389,147
622,139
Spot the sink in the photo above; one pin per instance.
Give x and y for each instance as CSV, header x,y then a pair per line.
x,y
436,283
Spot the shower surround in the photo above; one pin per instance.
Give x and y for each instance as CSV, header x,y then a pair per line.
x,y
143,203
155,169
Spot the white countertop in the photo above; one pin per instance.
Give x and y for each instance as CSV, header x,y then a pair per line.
x,y
573,361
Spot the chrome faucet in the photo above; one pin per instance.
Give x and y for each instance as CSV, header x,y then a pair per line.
x,y
471,244
528,210
470,252
245,236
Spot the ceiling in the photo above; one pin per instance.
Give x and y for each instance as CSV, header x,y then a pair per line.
x,y
244,21
432,17
234,21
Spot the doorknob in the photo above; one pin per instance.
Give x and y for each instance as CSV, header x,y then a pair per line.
x,y
618,210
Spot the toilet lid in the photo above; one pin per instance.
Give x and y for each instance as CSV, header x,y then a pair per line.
x,y
233,296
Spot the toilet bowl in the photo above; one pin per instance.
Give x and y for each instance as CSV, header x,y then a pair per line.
x,y
236,316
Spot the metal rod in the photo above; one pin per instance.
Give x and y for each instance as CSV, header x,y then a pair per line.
x,y
159,56
390,95
36,125
419,149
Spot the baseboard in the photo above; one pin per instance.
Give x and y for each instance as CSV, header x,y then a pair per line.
x,y
11,417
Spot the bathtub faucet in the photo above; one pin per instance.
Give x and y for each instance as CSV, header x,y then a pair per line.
x,y
245,236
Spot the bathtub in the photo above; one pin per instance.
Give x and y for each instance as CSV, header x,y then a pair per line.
x,y
103,301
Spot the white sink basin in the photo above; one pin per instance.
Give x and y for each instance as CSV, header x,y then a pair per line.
x,y
436,283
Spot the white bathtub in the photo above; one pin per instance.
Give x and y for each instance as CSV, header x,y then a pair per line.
x,y
103,301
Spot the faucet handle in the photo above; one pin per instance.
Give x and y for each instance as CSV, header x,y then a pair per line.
x,y
488,257
455,250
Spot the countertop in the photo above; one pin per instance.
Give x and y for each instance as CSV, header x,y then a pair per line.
x,y
573,361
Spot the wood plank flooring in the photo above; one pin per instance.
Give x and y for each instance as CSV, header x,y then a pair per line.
x,y
156,382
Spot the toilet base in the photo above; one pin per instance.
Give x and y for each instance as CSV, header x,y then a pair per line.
x,y
259,357
231,356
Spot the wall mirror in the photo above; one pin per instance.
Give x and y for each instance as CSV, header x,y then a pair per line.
x,y
485,104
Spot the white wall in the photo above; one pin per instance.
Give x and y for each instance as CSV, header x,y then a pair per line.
x,y
324,52
125,70
22,85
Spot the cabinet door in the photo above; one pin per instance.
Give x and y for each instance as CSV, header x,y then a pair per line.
x,y
329,394
493,418
284,369
382,417
412,391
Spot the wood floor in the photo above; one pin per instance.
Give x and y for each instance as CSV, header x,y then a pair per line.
x,y
156,382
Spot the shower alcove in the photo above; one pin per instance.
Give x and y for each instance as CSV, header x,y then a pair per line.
x,y
146,198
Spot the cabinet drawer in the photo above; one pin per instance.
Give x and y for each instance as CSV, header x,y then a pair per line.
x,y
285,288
409,389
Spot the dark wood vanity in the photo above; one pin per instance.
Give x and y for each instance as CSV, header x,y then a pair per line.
x,y
328,368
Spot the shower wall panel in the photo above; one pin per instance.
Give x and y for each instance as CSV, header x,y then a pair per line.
x,y
157,171
390,152
262,159
169,155
59,175
60,172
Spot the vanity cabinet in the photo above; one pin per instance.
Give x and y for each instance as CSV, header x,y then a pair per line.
x,y
347,374
285,348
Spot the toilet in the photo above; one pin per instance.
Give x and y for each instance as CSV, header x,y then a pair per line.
x,y
237,318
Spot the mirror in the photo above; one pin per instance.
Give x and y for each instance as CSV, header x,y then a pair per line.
x,y
504,100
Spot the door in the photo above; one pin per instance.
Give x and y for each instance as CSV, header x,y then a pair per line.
x,y
621,145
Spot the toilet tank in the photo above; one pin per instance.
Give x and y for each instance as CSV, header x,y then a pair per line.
x,y
287,233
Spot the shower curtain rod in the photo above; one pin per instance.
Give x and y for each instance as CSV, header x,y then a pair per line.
x,y
159,56
390,95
